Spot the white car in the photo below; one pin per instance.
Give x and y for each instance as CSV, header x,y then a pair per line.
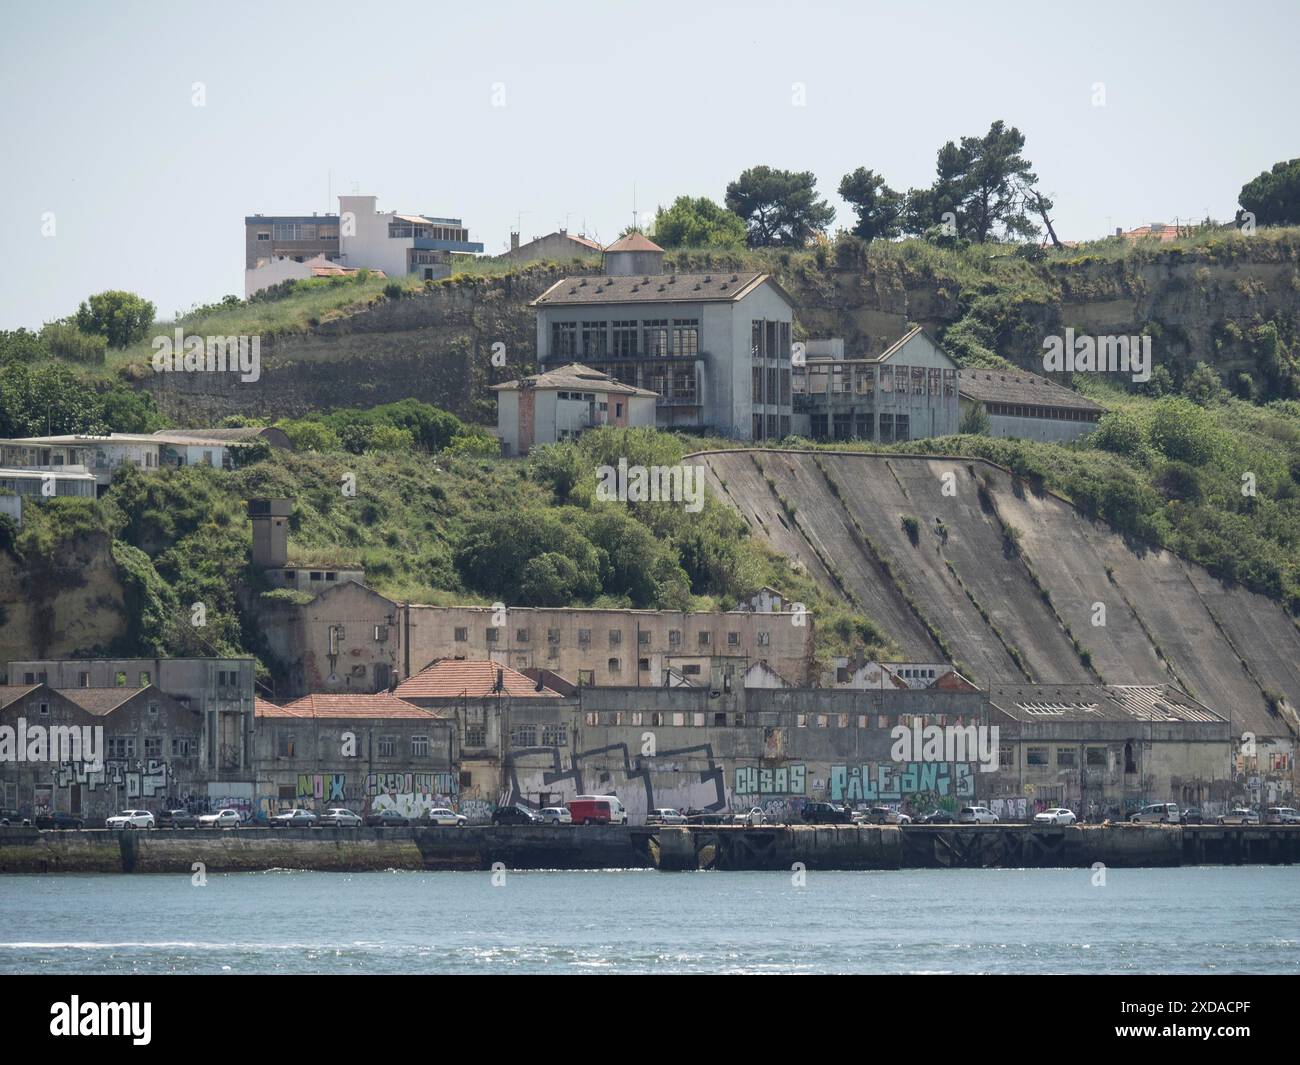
x,y
556,815
1162,813
976,815
227,818
665,816
444,816
754,818
130,819
1058,816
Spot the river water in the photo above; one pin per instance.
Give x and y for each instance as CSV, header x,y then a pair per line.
x,y
1198,920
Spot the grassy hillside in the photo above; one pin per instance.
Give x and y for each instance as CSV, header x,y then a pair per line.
x,y
430,527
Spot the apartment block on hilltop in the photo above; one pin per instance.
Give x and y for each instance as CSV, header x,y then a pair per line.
x,y
359,237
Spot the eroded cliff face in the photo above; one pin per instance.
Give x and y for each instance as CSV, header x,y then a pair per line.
x,y
61,606
436,346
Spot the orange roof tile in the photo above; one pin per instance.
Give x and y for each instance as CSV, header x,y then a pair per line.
x,y
451,678
322,705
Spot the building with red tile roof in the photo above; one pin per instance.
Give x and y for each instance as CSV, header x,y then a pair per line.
x,y
452,678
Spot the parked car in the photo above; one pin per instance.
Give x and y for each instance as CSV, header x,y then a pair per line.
x,y
556,815
826,813
341,817
1164,813
938,817
665,816
441,815
706,817
753,818
177,819
294,819
976,815
227,818
58,820
883,815
130,819
1058,815
388,819
597,810
515,815
1193,816
1282,815
1239,816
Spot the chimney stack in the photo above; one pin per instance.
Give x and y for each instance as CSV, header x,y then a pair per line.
x,y
514,241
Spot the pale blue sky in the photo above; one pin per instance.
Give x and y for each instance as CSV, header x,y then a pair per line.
x,y
149,192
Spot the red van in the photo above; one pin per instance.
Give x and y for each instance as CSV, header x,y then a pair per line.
x,y
597,810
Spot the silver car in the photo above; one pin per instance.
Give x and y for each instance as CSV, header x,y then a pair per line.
x,y
556,815
340,817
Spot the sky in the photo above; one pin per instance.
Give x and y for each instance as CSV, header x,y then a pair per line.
x,y
138,135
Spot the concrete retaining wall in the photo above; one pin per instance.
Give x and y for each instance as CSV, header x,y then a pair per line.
x,y
25,850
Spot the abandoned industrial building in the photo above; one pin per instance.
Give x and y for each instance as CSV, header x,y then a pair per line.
x,y
914,390
714,348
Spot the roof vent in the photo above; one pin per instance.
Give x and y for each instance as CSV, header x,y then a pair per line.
x,y
662,287
698,286
645,281
735,277
582,283
708,280
673,279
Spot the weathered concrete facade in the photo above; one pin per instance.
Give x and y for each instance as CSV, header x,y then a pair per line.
x,y
637,648
149,758
220,689
366,753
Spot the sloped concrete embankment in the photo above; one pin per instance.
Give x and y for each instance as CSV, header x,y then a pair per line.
x,y
1007,582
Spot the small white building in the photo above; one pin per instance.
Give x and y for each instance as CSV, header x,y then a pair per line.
x,y
285,268
563,403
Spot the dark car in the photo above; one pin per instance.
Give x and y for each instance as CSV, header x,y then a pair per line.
x,y
1193,817
939,817
387,819
177,819
706,817
826,813
59,820
515,815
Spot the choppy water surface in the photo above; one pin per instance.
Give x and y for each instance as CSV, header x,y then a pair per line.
x,y
1207,920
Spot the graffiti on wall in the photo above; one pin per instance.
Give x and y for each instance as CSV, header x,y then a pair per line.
x,y
680,778
147,781
769,780
895,781
321,787
410,794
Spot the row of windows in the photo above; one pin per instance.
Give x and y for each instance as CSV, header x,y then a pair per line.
x,y
124,747
770,426
1068,757
402,230
704,638
770,386
528,736
839,379
651,338
848,425
769,340
286,231
1059,414
286,746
